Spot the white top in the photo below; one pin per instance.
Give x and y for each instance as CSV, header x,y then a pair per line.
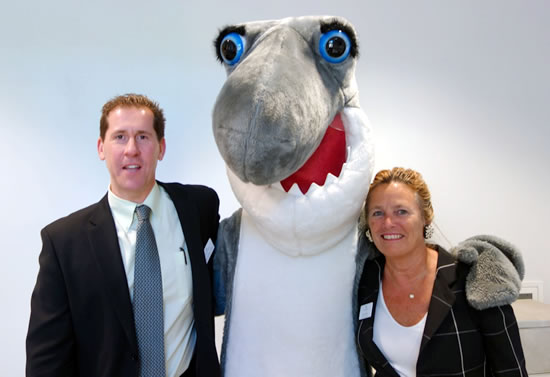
x,y
399,344
177,284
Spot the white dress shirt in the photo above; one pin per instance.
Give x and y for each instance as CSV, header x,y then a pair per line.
x,y
179,332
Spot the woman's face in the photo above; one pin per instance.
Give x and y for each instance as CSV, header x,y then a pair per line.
x,y
395,219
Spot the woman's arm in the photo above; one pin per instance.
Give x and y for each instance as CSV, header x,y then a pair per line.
x,y
501,340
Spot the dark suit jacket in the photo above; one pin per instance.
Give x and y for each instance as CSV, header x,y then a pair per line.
x,y
458,340
81,320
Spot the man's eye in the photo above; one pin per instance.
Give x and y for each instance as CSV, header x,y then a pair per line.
x,y
402,212
142,137
119,137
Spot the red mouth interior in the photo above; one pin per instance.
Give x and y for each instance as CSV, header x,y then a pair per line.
x,y
329,157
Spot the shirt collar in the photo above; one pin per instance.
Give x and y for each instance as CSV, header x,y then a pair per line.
x,y
124,210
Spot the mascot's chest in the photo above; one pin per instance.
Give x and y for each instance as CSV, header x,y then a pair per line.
x,y
297,308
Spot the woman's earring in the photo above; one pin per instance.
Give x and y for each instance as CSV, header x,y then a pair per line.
x,y
428,231
367,234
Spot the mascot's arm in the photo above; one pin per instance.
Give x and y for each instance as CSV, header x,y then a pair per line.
x,y
496,271
225,258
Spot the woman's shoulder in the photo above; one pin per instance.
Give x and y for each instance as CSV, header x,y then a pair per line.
x,y
372,273
375,264
448,263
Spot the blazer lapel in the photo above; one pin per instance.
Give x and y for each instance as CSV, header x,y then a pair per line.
x,y
443,297
369,290
105,246
203,306
189,216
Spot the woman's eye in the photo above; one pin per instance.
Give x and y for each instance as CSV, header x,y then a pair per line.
x,y
334,46
376,213
402,211
232,48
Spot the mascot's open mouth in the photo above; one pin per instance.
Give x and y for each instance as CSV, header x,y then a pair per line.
x,y
328,158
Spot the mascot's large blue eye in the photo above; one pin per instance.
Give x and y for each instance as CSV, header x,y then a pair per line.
x,y
232,48
334,46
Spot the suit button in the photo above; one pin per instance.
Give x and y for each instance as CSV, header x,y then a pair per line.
x,y
134,357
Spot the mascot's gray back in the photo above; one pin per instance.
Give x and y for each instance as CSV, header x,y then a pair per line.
x,y
299,156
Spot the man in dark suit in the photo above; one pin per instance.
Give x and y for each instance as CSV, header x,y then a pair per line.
x,y
94,311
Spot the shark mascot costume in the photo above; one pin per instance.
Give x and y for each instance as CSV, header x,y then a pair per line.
x,y
299,157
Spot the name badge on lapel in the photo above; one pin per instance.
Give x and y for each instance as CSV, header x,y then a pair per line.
x,y
208,250
365,311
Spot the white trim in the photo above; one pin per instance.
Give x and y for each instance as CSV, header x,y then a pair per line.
x,y
534,288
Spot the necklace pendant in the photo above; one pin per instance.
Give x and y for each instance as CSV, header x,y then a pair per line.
x,y
411,295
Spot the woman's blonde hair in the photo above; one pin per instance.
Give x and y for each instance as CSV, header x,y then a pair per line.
x,y
411,178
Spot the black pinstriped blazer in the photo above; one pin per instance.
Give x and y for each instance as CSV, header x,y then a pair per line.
x,y
458,340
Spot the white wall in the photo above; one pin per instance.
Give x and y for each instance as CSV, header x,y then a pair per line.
x,y
459,90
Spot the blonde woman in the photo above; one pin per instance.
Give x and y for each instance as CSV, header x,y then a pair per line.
x,y
414,318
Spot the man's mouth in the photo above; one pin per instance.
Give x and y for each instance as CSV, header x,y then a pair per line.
x,y
131,167
328,158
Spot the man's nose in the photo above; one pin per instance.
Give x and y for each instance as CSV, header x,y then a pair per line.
x,y
131,147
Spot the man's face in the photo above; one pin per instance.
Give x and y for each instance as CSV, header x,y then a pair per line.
x,y
131,151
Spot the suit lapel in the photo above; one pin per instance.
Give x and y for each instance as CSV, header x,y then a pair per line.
x,y
105,246
189,217
203,309
443,297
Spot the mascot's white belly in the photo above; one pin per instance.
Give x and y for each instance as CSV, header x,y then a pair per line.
x,y
287,311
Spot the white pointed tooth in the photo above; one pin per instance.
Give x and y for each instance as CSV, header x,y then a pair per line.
x,y
312,189
330,179
295,190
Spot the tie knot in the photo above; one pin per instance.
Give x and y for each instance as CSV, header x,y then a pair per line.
x,y
143,212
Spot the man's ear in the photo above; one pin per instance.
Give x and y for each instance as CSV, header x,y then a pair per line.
x,y
100,149
162,147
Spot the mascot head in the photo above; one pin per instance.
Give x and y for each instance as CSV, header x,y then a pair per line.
x,y
288,124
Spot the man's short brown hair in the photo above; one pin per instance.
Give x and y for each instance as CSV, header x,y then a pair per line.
x,y
133,100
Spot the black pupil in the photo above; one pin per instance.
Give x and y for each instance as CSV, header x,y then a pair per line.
x,y
336,47
229,49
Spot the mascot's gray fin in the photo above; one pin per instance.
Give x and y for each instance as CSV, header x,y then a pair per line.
x,y
225,260
496,271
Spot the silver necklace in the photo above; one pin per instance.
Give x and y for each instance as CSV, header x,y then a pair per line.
x,y
420,279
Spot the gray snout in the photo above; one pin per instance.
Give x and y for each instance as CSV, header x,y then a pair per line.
x,y
274,108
